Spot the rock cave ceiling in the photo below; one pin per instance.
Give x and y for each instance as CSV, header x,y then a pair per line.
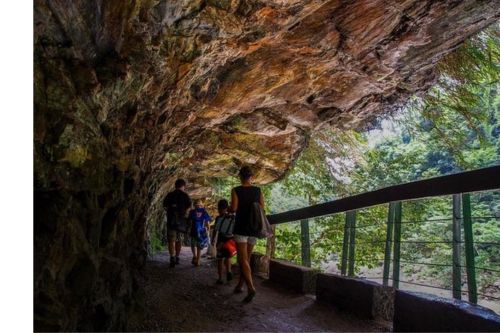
x,y
205,86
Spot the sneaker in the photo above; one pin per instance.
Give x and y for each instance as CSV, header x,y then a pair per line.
x,y
172,262
229,276
177,260
249,297
193,261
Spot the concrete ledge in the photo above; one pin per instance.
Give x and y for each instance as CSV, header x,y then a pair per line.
x,y
419,312
383,302
299,278
357,296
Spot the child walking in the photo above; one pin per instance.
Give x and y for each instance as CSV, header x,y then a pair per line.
x,y
223,237
199,230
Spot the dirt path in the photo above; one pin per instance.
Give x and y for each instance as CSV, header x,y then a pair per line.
x,y
186,298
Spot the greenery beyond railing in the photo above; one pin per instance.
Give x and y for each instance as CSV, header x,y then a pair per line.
x,y
366,241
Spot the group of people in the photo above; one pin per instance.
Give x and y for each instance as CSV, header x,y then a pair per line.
x,y
232,231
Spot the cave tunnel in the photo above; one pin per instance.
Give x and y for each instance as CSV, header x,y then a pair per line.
x,y
131,95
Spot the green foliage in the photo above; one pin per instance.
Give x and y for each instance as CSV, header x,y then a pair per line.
x,y
155,244
222,187
461,111
318,174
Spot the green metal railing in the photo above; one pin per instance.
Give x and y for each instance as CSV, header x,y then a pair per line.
x,y
458,186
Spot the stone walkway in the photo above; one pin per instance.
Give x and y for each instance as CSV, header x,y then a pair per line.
x,y
186,298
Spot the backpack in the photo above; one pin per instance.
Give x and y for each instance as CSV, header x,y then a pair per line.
x,y
225,225
178,221
259,223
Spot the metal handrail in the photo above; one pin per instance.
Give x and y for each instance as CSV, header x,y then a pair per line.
x,y
470,181
459,185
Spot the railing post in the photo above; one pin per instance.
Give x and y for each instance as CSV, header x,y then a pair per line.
x,y
397,244
351,216
457,239
388,243
469,249
345,246
305,242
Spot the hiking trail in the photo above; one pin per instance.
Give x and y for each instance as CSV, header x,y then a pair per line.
x,y
186,298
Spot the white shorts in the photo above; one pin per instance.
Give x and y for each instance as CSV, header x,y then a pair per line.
x,y
245,239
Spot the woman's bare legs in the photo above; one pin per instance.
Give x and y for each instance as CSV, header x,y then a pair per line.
x,y
249,257
241,248
249,252
246,272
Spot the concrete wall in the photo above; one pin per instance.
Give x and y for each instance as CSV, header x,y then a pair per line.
x,y
419,312
299,278
409,311
361,297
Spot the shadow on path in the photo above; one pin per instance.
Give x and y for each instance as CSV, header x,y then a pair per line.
x,y
186,298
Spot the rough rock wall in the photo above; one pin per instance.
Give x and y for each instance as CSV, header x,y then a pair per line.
x,y
131,94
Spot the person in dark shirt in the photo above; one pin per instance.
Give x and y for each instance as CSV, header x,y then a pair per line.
x,y
243,198
176,205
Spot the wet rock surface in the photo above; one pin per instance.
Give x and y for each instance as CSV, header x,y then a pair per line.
x,y
129,95
186,298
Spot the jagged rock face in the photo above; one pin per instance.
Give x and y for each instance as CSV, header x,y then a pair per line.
x,y
130,95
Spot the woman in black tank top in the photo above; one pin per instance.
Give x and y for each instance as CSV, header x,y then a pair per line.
x,y
247,196
242,199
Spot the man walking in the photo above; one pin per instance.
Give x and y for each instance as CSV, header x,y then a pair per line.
x,y
176,204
